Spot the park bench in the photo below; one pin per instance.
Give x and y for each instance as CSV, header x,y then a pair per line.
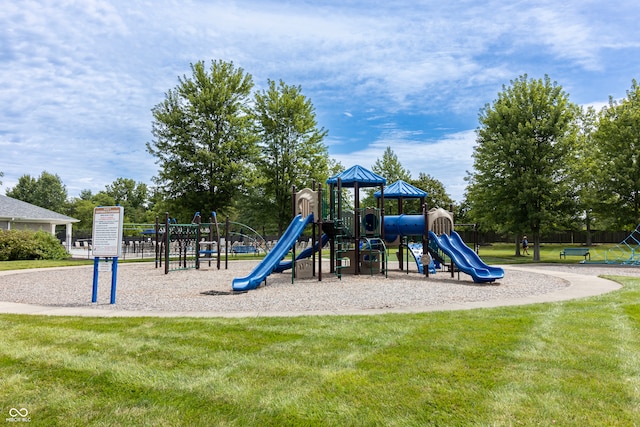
x,y
584,252
244,249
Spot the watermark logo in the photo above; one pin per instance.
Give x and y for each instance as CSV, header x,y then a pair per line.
x,y
18,415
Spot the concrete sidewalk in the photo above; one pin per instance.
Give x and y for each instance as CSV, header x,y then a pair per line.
x,y
581,286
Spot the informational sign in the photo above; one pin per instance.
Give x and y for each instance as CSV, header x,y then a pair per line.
x,y
107,231
107,243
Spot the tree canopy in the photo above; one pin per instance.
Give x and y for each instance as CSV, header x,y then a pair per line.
x,y
437,195
132,196
617,140
46,191
204,144
520,180
292,151
390,167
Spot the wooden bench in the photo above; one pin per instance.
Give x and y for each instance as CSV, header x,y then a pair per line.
x,y
584,252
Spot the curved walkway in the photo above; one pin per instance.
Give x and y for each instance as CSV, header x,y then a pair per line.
x,y
579,286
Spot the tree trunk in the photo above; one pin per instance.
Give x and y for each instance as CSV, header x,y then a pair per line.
x,y
587,220
536,246
518,244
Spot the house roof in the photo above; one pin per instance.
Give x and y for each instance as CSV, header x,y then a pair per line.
x,y
401,189
17,210
364,178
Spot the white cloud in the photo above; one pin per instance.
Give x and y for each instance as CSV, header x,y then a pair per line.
x,y
79,78
447,159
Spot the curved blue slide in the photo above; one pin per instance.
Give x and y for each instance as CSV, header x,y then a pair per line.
x,y
285,265
465,258
275,255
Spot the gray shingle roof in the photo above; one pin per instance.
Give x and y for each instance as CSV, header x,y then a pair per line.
x,y
14,209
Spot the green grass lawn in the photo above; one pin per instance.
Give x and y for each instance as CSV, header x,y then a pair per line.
x,y
504,253
572,363
499,253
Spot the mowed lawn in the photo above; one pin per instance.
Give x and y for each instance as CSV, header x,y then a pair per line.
x,y
575,363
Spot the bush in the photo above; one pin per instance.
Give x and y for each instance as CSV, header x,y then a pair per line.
x,y
26,245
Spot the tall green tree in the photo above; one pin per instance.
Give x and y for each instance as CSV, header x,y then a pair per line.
x,y
520,180
204,144
81,208
292,148
584,167
389,167
618,142
134,197
1,175
437,195
46,191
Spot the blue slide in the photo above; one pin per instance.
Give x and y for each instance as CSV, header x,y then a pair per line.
x,y
275,255
416,251
465,258
285,265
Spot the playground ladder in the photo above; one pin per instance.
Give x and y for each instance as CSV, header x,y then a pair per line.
x,y
342,246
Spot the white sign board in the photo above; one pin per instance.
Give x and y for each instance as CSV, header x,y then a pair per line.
x,y
107,231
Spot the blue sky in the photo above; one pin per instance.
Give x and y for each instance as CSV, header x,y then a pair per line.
x,y
78,79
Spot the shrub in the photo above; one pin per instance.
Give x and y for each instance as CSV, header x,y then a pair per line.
x,y
26,245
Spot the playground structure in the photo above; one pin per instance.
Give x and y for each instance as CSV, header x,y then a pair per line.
x,y
626,252
185,246
358,238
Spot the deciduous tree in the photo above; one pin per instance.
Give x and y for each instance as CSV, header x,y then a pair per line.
x,y
46,191
618,142
389,167
133,196
520,179
204,144
292,148
437,195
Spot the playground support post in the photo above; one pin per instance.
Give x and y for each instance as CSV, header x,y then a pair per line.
x,y
452,223
293,249
356,226
159,239
339,218
198,220
226,243
332,217
320,234
166,242
214,219
425,235
313,235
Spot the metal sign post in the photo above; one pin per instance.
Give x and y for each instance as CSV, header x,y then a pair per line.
x,y
107,242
